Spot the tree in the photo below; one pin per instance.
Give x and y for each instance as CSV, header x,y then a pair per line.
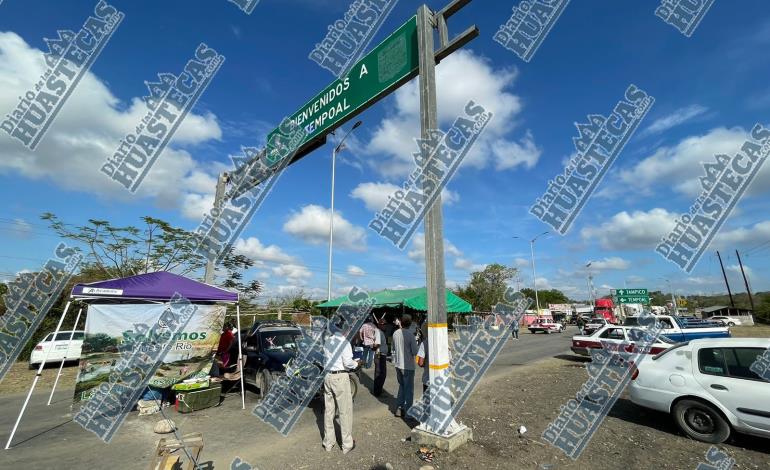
x,y
486,288
98,342
545,297
113,252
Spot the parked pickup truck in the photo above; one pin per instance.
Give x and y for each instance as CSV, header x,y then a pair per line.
x,y
680,330
545,325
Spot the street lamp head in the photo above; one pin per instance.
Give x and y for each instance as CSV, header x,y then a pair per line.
x,y
358,123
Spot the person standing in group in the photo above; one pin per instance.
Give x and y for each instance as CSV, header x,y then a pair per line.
x,y
368,335
337,395
515,329
404,353
380,360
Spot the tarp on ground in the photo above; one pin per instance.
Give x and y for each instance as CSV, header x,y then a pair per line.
x,y
416,299
159,285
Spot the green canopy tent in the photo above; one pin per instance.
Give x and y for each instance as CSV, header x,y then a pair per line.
x,y
415,299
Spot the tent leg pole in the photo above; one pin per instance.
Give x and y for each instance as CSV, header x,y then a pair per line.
x,y
34,382
240,355
61,366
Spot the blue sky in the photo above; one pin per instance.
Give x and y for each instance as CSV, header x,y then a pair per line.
x,y
709,90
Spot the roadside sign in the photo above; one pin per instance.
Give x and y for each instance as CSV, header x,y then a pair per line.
x,y
388,66
633,299
624,292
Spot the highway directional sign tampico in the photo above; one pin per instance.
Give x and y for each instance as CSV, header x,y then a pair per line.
x,y
624,292
388,66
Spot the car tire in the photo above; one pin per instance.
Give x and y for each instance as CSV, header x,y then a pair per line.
x,y
701,421
264,380
731,323
32,366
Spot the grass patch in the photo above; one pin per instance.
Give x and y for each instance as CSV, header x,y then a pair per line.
x,y
756,331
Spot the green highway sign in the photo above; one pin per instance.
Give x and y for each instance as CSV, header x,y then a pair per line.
x,y
388,66
624,292
633,299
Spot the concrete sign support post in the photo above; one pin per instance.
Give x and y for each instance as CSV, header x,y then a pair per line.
x,y
438,342
219,199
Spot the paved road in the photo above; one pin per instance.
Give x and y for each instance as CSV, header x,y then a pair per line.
x,y
47,438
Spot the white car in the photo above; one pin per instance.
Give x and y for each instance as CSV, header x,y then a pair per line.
x,y
708,386
729,321
58,348
616,336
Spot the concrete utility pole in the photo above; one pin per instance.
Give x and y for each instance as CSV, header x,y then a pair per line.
x,y
219,197
438,342
724,274
745,280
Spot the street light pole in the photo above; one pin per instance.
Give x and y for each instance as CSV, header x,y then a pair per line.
x,y
338,148
534,273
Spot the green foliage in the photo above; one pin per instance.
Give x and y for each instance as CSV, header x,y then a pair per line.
x,y
550,296
487,287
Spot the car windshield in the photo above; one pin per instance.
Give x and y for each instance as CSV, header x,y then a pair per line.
x,y
280,341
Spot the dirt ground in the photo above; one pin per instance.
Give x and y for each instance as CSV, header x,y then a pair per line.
x,y
629,438
19,378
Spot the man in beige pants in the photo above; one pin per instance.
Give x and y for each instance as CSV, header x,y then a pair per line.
x,y
337,394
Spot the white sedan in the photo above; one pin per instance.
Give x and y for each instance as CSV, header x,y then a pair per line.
x,y
729,321
57,350
616,336
708,386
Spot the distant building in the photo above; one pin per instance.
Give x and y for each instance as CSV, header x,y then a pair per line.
x,y
725,311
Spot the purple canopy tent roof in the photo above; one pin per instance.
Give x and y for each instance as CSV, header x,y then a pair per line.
x,y
160,285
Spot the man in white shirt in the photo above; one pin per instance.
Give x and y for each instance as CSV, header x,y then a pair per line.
x,y
380,360
404,352
337,394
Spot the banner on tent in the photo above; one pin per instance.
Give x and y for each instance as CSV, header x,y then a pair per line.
x,y
110,328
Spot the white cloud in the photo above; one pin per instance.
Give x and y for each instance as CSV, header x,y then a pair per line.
x,y
87,129
743,236
21,229
417,253
354,270
375,195
461,77
521,262
294,273
680,116
679,167
311,224
254,249
613,263
637,230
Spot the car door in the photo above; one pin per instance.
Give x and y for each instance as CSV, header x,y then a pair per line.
x,y
251,349
725,375
616,336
